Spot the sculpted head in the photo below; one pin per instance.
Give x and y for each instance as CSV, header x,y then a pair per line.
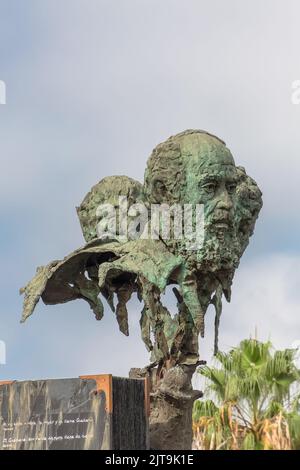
x,y
193,167
196,167
107,191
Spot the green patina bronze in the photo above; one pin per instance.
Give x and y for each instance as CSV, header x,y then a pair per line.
x,y
193,167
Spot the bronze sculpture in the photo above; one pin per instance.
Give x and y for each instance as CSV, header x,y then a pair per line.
x,y
191,168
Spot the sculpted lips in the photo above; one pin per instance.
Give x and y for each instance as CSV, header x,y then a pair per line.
x,y
221,220
220,226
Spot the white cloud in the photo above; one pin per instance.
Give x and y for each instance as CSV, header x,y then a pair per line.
x,y
112,80
266,300
93,87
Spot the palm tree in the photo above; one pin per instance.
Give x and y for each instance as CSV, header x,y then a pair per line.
x,y
256,399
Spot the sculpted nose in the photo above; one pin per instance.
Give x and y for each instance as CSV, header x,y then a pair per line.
x,y
225,201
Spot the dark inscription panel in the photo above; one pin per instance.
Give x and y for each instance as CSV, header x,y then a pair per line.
x,y
53,414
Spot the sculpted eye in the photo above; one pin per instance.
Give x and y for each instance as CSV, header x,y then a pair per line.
x,y
209,187
159,186
231,187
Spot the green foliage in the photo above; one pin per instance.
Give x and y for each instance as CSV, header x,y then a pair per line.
x,y
252,388
204,408
294,427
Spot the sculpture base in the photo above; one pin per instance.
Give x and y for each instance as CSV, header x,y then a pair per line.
x,y
98,412
171,405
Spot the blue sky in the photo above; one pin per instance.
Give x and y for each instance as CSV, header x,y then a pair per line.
x,y
92,87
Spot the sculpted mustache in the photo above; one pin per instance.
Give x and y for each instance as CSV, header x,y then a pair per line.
x,y
220,216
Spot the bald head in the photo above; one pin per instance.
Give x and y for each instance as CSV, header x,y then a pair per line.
x,y
177,166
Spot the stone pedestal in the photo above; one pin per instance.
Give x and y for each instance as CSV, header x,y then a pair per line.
x,y
171,405
98,412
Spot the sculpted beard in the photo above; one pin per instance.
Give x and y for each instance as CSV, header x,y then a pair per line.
x,y
221,248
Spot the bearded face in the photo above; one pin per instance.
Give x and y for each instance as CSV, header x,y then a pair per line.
x,y
197,168
212,180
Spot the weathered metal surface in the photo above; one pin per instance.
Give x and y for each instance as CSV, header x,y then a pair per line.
x,y
193,167
190,168
103,384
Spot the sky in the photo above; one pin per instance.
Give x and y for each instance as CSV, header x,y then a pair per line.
x,y
92,87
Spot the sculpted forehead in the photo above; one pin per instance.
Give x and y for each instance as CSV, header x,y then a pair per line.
x,y
200,151
176,165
